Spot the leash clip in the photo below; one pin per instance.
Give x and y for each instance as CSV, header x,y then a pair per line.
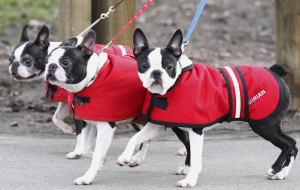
x,y
184,45
106,15
102,50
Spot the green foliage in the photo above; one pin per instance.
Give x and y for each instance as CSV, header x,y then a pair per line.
x,y
16,12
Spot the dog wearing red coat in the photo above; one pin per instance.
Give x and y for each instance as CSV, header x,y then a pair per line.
x,y
190,97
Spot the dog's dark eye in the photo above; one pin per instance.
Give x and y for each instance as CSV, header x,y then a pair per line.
x,y
145,66
169,67
46,61
27,61
65,62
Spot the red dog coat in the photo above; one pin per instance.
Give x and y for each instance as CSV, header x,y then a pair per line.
x,y
203,96
116,94
57,94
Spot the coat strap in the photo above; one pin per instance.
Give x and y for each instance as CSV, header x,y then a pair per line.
x,y
160,103
80,100
51,88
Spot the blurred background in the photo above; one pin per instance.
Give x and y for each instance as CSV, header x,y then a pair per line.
x,y
229,32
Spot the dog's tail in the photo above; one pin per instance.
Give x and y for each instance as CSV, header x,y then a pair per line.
x,y
279,69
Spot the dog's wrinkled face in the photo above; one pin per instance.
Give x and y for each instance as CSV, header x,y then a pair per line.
x,y
67,64
158,68
27,60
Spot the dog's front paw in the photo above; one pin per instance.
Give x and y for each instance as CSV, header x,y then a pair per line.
x,y
73,155
136,160
182,152
69,130
84,180
182,170
122,161
186,183
63,126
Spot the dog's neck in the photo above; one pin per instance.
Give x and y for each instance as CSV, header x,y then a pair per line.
x,y
184,62
94,64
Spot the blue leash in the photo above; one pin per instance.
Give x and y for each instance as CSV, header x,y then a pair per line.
x,y
194,22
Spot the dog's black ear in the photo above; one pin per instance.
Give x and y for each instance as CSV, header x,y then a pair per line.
x,y
175,43
69,42
88,43
139,41
24,35
42,39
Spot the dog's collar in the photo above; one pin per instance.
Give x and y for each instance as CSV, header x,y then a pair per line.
x,y
187,68
182,71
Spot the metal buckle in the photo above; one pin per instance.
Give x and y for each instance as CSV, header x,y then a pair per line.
x,y
106,15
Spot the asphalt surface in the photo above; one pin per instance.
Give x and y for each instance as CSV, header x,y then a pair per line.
x,y
31,162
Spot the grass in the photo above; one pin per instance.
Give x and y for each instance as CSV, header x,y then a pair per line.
x,y
18,12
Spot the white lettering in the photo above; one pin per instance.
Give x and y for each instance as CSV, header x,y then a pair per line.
x,y
256,97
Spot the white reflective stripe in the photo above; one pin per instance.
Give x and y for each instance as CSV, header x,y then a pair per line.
x,y
237,92
123,50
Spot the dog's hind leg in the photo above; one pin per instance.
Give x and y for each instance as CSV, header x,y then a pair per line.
x,y
183,136
196,146
272,132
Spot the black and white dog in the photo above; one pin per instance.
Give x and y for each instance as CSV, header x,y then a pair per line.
x,y
75,69
27,62
164,76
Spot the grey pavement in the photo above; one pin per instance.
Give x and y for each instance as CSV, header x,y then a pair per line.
x,y
33,162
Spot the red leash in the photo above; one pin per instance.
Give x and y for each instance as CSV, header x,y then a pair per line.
x,y
130,22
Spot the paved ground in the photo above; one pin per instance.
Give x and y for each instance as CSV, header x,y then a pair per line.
x,y
31,162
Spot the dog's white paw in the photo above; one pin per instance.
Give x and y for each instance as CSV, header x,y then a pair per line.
x,y
182,152
186,183
182,170
84,180
136,160
270,173
74,155
69,130
121,161
282,174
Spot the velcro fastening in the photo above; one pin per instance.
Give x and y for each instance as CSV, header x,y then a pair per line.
x,y
160,103
80,100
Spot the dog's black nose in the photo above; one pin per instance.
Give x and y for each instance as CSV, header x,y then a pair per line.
x,y
52,66
156,74
15,64
14,67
